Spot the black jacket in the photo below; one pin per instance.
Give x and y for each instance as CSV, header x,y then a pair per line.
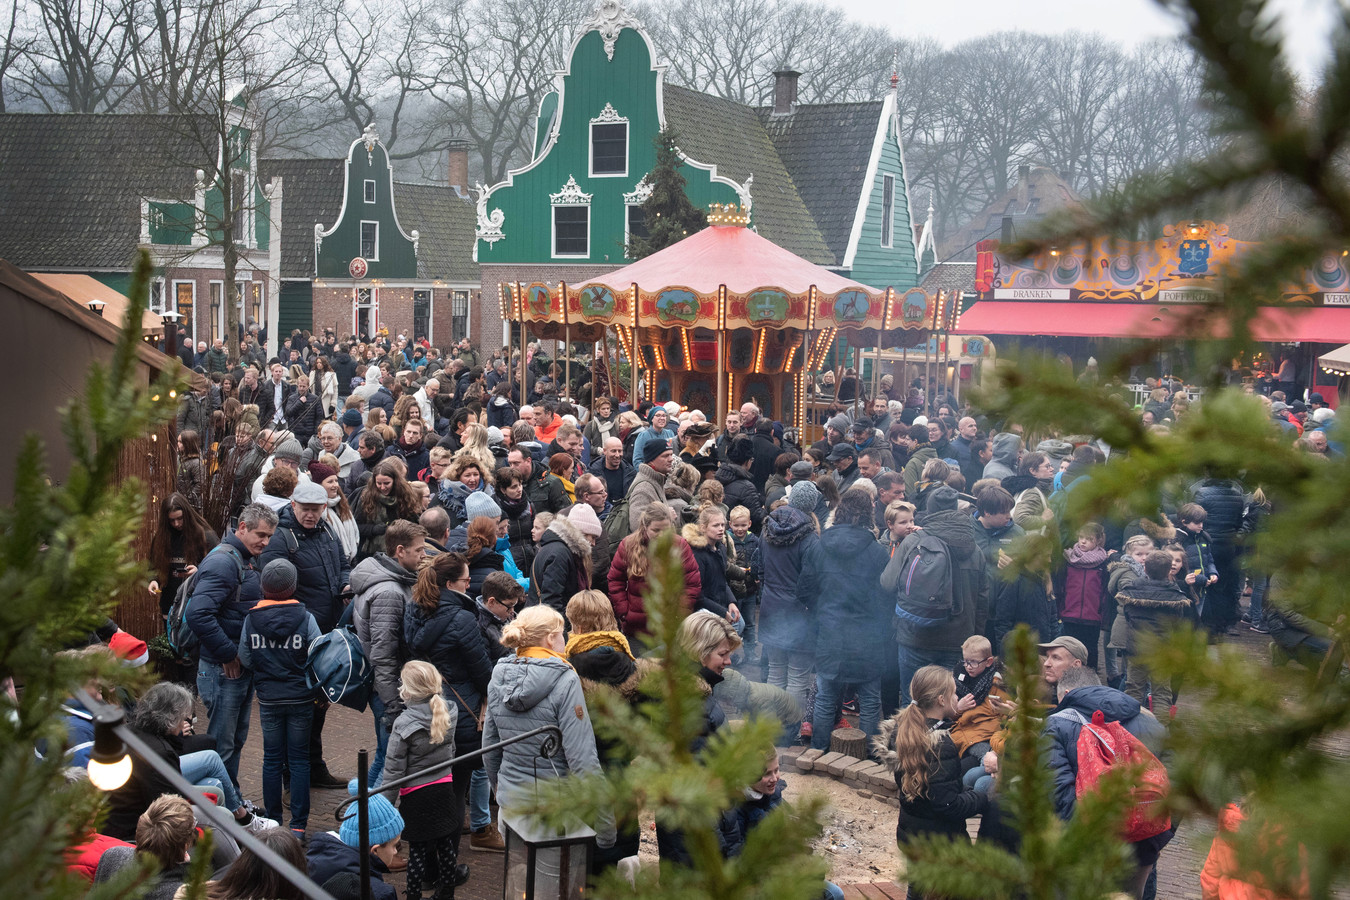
x,y
739,490
622,478
1014,598
715,595
142,788
841,583
303,415
345,369
766,451
481,566
544,491
327,856
384,400
1223,500
274,644
562,567
266,392
320,565
448,637
519,526
946,804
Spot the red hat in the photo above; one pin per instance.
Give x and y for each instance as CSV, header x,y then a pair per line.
x,y
129,648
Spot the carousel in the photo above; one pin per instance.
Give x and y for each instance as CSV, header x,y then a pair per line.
x,y
724,317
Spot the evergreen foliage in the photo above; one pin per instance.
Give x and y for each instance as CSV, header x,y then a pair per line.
x,y
66,558
668,214
657,773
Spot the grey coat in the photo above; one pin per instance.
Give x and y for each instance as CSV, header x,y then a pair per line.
x,y
410,747
526,694
383,588
648,487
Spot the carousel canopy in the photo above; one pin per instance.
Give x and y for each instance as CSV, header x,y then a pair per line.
x,y
723,278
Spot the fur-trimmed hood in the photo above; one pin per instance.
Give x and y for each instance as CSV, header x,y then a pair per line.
x,y
1161,533
570,535
884,743
693,536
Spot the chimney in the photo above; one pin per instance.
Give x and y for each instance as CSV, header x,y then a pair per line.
x,y
784,91
1005,234
1023,185
458,168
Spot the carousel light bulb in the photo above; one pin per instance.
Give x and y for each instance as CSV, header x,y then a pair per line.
x,y
112,775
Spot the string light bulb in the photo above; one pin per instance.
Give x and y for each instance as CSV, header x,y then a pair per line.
x,y
109,763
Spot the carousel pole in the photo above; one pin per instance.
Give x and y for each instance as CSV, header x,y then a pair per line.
x,y
857,379
633,398
524,341
722,398
567,361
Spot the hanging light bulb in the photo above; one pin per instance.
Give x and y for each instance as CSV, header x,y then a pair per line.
x,y
109,763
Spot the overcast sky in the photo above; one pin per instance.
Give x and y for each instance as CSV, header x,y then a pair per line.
x,y
1128,21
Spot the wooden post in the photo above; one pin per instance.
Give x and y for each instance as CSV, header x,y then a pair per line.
x,y
850,742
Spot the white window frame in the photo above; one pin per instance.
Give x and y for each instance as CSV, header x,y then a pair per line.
x,y
431,312
627,222
157,286
373,306
553,227
360,239
609,117
887,219
220,308
454,307
370,194
173,287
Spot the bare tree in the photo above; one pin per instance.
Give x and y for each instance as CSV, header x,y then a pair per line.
x,y
1080,77
16,47
714,45
78,59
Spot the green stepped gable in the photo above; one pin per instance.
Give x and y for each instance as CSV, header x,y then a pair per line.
x,y
825,181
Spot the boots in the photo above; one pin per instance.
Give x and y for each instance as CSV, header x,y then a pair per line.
x,y
488,838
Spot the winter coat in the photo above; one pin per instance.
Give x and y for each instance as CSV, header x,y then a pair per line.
x,y
1225,505
740,490
605,667
449,638
483,564
1084,586
982,722
528,693
1150,607
1005,449
626,591
1013,598
194,414
544,491
327,856
946,804
382,399
737,821
417,458
647,488
344,366
274,644
761,467
715,594
519,527
189,480
322,568
1120,575
410,748
303,415
841,583
142,787
785,622
562,567
491,628
1199,554
502,413
383,588
970,584
1116,706
215,614
621,477
914,468
747,574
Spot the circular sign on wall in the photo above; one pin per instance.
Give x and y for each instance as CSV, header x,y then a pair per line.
x,y
358,267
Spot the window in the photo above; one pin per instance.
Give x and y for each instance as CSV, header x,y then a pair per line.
x,y
609,148
185,301
370,190
887,208
422,314
636,225
256,301
459,315
217,311
571,231
364,322
239,206
157,297
370,240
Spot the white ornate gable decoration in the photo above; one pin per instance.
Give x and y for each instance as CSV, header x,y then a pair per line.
x,y
571,194
608,115
370,137
743,192
640,193
609,18
489,224
318,243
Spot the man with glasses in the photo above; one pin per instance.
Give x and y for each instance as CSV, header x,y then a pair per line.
x,y
593,492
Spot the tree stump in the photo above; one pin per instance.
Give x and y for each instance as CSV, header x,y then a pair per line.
x,y
850,742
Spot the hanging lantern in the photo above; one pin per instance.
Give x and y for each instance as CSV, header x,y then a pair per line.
x,y
542,864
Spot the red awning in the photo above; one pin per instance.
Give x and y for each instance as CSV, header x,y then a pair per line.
x,y
1135,320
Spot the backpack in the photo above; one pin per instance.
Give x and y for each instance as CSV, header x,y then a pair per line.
x,y
338,668
615,527
1105,745
924,595
181,637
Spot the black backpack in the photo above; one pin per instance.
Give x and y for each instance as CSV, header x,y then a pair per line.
x,y
920,573
182,638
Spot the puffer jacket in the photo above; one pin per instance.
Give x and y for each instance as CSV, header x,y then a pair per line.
x,y
947,803
740,490
383,588
491,628
1225,504
327,856
410,747
841,582
626,591
544,491
1152,606
322,568
274,645
562,567
715,594
217,613
1116,706
785,623
1003,463
970,584
528,693
449,638
1121,574
483,564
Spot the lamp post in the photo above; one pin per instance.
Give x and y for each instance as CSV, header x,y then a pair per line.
x,y
96,306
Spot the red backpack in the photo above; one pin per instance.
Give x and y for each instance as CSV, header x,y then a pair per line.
x,y
1104,745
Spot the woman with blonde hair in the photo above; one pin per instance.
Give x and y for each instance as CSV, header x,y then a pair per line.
x,y
467,476
537,687
474,442
628,570
627,428
917,746
433,810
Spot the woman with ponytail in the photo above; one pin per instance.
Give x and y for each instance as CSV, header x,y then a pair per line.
x,y
440,626
432,813
917,746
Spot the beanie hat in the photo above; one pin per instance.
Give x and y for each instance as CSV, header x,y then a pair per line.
x,y
741,450
839,423
352,417
804,495
385,822
585,519
920,420
802,470
129,648
480,504
320,472
652,449
651,413
1323,414
494,435
278,579
289,449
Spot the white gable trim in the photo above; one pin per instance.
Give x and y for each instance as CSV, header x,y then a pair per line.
x,y
370,135
865,197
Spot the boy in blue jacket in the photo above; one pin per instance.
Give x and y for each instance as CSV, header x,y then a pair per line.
x,y
274,644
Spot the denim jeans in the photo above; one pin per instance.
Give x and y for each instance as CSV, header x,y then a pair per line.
x,y
978,779
1260,584
829,695
205,769
229,703
286,728
791,671
480,793
381,741
912,659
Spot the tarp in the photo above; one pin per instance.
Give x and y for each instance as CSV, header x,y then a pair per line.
x,y
84,288
1138,320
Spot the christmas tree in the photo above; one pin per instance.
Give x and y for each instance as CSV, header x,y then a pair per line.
x,y
667,212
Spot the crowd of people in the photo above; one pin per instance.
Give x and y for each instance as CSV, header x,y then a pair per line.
x,y
491,553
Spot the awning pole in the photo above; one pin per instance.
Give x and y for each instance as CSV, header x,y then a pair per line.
x,y
567,359
857,379
722,398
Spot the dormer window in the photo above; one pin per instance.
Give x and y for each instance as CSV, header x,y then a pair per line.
x,y
609,144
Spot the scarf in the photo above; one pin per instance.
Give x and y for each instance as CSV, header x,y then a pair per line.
x,y
980,685
513,508
580,643
539,653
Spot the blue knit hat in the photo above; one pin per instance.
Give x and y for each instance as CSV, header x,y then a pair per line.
x,y
385,822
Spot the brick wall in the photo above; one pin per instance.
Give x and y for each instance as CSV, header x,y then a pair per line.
x,y
493,331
